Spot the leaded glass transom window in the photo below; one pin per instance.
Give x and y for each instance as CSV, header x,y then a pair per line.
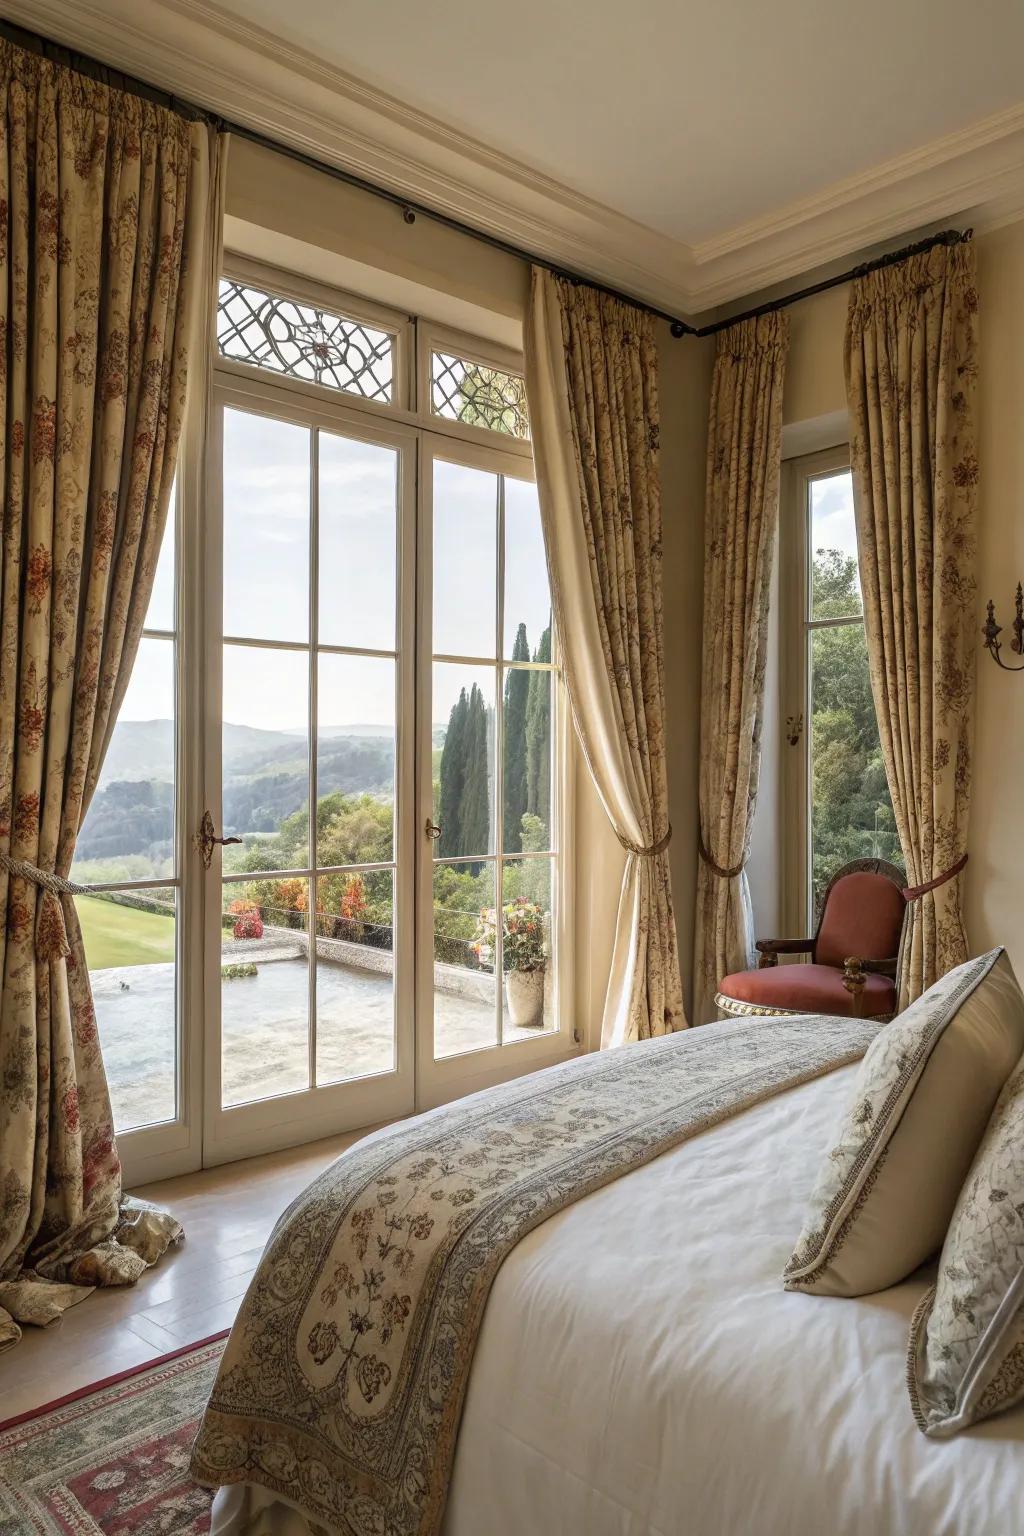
x,y
479,396
269,331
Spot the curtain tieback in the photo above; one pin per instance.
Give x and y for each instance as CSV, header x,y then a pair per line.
x,y
646,853
51,933
718,869
915,892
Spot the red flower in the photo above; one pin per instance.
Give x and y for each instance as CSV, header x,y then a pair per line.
x,y
37,576
44,430
26,815
69,1111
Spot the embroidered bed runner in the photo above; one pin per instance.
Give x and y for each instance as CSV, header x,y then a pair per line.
x,y
342,1384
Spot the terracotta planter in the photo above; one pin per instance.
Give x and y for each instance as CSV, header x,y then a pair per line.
x,y
524,994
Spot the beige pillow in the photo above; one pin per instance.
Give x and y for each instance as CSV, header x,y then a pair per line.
x,y
921,1101
966,1358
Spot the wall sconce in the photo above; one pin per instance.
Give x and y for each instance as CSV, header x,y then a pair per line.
x,y
992,631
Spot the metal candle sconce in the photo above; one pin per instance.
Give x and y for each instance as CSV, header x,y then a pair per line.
x,y
992,631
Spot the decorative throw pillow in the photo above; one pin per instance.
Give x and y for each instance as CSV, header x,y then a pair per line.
x,y
966,1357
922,1098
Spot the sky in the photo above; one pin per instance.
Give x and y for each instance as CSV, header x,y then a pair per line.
x,y
832,520
266,579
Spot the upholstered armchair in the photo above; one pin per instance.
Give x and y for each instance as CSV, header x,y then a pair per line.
x,y
853,954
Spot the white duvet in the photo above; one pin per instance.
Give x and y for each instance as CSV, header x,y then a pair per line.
x,y
641,1372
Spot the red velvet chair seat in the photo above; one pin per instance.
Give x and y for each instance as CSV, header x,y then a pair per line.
x,y
807,989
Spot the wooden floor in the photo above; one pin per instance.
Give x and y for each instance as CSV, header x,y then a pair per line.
x,y
194,1291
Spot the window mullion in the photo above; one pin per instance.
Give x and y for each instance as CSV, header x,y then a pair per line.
x,y
499,765
314,630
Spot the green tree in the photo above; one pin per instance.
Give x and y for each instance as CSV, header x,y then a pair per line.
x,y
475,821
453,779
538,737
851,812
517,693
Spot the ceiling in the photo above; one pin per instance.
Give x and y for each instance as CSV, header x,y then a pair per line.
x,y
689,117
689,152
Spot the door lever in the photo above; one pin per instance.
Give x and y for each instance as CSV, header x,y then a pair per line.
x,y
432,831
206,840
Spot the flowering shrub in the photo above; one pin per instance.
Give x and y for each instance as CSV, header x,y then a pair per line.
x,y
525,944
352,910
248,923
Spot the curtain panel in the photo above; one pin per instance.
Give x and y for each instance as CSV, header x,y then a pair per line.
x,y
744,457
104,233
591,379
911,374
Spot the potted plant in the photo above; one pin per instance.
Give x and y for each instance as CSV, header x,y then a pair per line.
x,y
524,957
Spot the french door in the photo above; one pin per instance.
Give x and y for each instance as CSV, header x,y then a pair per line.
x,y
332,817
309,918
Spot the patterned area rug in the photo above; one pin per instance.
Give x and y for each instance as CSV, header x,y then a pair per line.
x,y
114,1458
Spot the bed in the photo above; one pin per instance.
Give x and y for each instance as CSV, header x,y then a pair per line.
x,y
640,1371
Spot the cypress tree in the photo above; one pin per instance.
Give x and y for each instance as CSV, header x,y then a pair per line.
x,y
453,779
476,794
538,737
517,690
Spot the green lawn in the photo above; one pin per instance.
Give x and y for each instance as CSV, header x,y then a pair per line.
x,y
116,935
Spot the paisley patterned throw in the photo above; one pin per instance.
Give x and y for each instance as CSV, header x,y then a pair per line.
x,y
342,1385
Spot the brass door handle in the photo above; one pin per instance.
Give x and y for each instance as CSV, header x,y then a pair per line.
x,y
432,831
206,840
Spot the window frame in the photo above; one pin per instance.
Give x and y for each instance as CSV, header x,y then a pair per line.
x,y
437,1079
431,338
795,701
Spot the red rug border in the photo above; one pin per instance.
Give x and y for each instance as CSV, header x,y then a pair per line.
x,y
110,1381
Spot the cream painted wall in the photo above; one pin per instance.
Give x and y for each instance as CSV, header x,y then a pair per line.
x,y
815,389
284,213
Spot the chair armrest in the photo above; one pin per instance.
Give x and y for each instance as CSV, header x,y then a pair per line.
x,y
881,967
771,949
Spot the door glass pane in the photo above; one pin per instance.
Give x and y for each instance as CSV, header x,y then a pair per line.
x,y
265,756
465,989
128,833
851,812
358,519
129,949
355,975
465,560
835,576
463,745
527,620
526,768
266,527
355,759
264,989
527,953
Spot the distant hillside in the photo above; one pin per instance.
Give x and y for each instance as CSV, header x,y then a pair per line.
x,y
265,779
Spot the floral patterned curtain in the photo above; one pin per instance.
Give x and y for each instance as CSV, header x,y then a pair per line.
x,y
911,373
103,229
741,513
591,382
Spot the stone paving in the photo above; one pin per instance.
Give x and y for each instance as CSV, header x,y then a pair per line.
x,y
264,1028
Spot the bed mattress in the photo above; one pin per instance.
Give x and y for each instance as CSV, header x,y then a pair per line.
x,y
641,1372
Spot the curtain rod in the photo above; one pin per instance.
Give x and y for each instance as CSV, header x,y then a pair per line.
x,y
83,64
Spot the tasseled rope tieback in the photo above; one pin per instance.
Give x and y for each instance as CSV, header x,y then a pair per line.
x,y
646,853
718,869
51,933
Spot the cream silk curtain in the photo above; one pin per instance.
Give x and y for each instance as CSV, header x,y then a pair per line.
x,y
740,520
911,373
591,380
105,223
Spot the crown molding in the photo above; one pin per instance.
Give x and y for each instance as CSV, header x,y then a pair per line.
x,y
197,50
